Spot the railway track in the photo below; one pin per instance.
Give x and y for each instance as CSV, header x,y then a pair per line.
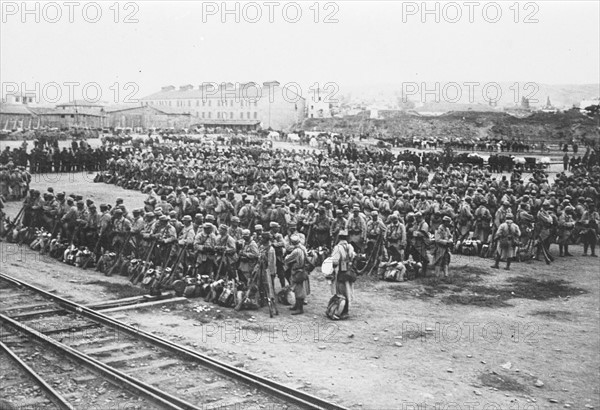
x,y
147,367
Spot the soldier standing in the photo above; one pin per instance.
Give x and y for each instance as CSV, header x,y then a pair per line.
x,y
566,223
418,238
248,256
226,253
204,244
376,232
295,262
396,239
507,235
443,243
343,255
357,229
165,235
184,239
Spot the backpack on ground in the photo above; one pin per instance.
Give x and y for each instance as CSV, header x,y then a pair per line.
x,y
335,307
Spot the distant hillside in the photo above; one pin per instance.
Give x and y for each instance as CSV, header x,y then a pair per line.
x,y
538,126
561,95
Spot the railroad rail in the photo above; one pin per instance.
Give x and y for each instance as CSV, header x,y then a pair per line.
x,y
163,372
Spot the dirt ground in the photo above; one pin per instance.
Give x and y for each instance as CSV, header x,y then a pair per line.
x,y
521,339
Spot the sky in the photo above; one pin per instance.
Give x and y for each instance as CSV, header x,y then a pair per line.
x,y
131,49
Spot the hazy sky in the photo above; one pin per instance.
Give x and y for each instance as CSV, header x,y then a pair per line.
x,y
371,43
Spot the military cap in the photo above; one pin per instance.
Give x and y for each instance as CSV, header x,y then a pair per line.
x,y
209,217
207,225
235,219
446,218
294,239
245,232
92,206
60,195
343,232
119,199
258,227
374,213
311,205
103,206
137,211
509,216
273,225
119,211
173,213
80,203
149,214
223,227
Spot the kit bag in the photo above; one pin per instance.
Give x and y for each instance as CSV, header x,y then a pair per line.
x,y
335,307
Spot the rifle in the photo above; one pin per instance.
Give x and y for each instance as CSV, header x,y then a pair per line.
x,y
46,245
169,279
11,225
136,279
218,271
376,254
118,258
94,252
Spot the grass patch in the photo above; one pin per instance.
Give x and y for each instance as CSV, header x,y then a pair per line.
x,y
531,288
501,382
120,290
475,300
553,314
519,287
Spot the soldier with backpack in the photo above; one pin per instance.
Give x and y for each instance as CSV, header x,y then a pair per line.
x,y
296,261
342,257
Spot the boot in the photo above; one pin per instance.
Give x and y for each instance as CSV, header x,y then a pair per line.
x,y
567,251
508,263
295,306
496,265
299,307
560,250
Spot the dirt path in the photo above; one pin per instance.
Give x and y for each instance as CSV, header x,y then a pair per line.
x,y
485,337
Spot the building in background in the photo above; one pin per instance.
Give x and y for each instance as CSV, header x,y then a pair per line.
x,y
16,116
146,116
238,106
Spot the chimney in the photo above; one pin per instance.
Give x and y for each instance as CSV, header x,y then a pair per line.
x,y
271,84
168,88
186,87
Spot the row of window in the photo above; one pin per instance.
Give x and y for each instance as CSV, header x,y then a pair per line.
x,y
223,115
188,103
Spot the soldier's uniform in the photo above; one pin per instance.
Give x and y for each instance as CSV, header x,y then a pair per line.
x,y
396,239
483,221
226,253
248,257
320,230
357,230
185,239
566,223
165,235
204,245
376,232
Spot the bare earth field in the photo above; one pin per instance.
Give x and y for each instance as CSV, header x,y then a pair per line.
x,y
483,339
